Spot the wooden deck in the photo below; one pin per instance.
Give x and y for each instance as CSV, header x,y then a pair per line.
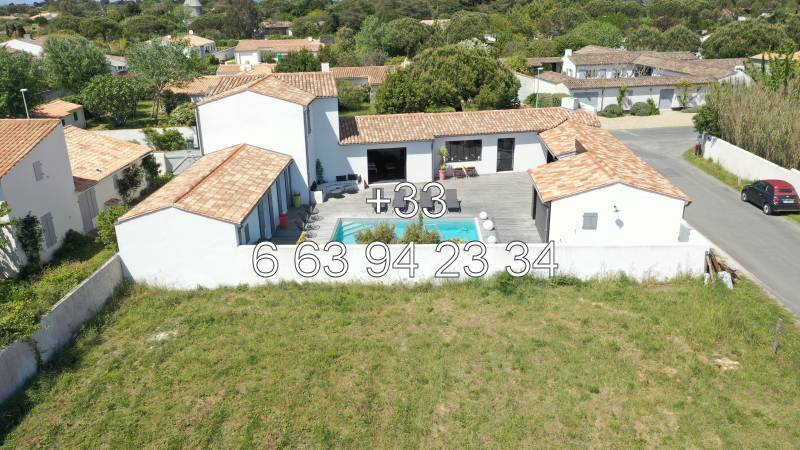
x,y
506,197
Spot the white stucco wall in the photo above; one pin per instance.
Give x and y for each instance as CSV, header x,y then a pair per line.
x,y
106,190
545,87
69,119
247,57
643,217
604,70
53,193
266,122
608,96
528,151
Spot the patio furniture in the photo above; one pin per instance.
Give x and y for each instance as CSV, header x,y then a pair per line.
x,y
425,201
471,171
459,172
377,193
451,200
398,201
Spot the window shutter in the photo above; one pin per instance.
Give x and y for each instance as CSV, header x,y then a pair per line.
x,y
49,230
590,221
38,173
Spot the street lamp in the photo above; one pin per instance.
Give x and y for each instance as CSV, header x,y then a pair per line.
x,y
25,102
538,71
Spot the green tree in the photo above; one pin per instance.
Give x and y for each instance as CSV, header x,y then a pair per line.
x,y
591,33
645,38
5,223
71,61
742,39
100,27
401,92
302,61
130,180
183,115
681,38
466,25
165,141
542,47
160,64
351,96
517,63
28,233
707,120
241,18
111,97
406,36
372,36
140,28
19,71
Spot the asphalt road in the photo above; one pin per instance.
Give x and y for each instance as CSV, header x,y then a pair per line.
x,y
766,246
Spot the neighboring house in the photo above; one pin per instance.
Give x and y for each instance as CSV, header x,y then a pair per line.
x,y
372,75
35,178
599,192
97,162
232,197
442,23
195,44
193,7
763,60
594,75
198,88
245,69
277,28
68,113
34,47
117,65
249,51
297,114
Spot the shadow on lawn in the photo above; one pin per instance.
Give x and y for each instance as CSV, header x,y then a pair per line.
x,y
14,410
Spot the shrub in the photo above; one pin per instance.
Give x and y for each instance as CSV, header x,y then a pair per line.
x,y
611,111
351,96
382,232
164,141
640,109
76,246
707,120
171,100
654,111
418,233
106,232
182,115
29,235
545,100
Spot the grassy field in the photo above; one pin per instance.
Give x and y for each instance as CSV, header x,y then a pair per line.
x,y
495,363
140,119
717,171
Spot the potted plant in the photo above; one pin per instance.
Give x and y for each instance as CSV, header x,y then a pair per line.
x,y
295,199
442,163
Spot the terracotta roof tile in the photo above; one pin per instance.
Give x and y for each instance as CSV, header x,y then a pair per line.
x,y
19,136
224,185
55,109
193,39
300,87
200,86
279,45
716,68
373,74
245,69
428,126
602,161
94,156
560,140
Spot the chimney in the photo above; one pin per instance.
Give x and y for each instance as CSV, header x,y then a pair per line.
x,y
191,32
326,67
568,52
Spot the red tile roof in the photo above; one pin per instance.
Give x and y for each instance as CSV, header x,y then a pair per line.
x,y
19,136
224,185
55,109
279,45
300,87
373,74
428,126
94,156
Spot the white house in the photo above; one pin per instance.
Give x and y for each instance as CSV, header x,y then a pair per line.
x,y
193,7
595,74
195,44
600,192
232,197
371,76
249,51
35,178
97,161
67,112
297,114
117,65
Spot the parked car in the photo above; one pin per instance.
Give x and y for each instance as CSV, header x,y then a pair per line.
x,y
772,196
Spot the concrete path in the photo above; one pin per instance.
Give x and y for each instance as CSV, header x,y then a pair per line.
x,y
666,119
766,246
135,134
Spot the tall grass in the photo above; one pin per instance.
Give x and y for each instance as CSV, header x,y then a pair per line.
x,y
760,120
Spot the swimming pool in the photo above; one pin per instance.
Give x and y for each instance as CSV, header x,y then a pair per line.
x,y
463,229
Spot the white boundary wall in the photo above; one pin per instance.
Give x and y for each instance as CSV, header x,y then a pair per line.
x,y
746,165
18,361
210,267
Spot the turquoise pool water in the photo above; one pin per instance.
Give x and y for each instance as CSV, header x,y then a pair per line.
x,y
463,229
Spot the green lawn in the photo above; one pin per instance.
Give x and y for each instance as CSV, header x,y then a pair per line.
x,y
364,109
495,363
717,171
141,119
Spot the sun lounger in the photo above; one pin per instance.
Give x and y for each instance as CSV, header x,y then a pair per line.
x,y
451,200
376,193
425,200
398,201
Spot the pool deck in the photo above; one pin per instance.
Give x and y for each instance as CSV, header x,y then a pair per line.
x,y
506,197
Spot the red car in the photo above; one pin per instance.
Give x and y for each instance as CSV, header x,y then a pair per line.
x,y
772,196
